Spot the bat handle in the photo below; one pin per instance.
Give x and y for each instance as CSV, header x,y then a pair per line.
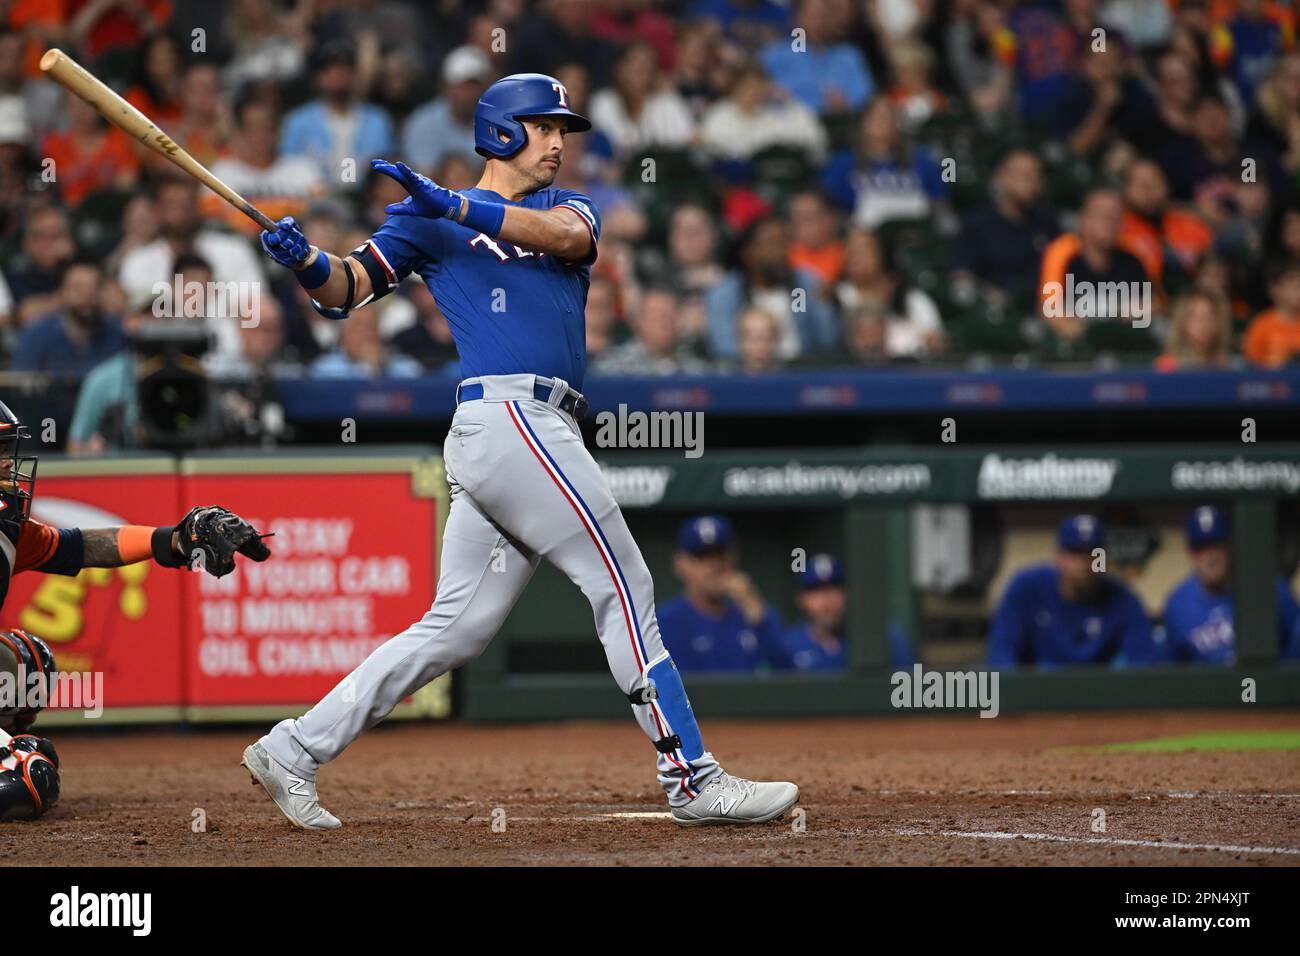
x,y
259,217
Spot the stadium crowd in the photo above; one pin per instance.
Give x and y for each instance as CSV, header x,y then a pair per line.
x,y
825,183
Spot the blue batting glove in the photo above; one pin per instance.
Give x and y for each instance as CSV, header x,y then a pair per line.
x,y
427,197
286,245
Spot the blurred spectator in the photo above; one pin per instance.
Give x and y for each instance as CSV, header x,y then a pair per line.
x,y
703,65
720,622
815,243
754,116
361,353
270,44
1167,240
248,393
817,642
1275,123
157,91
692,260
277,185
42,98
825,73
653,348
1200,334
641,109
758,337
107,413
602,316
560,31
1147,24
70,342
1047,40
1068,612
1002,244
618,22
261,346
884,181
1273,337
446,124
35,275
1248,44
1176,97
429,340
182,231
17,164
1204,168
865,333
89,154
1086,260
205,114
751,23
914,95
339,131
980,52
793,297
100,27
1199,613
1103,102
912,326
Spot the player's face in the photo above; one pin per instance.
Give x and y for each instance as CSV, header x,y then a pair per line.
x,y
539,161
1213,565
704,574
1076,570
824,607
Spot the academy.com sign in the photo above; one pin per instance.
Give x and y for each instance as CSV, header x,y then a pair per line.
x,y
794,478
1236,475
1046,476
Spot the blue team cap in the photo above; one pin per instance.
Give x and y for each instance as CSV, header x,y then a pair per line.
x,y
823,570
1207,524
1081,533
706,533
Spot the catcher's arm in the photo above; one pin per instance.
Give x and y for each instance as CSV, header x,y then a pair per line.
x,y
207,537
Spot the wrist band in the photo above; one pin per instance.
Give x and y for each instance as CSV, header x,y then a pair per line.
x,y
315,275
484,217
161,544
134,543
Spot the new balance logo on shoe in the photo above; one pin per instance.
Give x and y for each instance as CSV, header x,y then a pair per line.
x,y
298,786
722,805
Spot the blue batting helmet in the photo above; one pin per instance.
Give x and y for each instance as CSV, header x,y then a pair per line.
x,y
520,94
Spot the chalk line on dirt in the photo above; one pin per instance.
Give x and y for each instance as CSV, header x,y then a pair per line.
x,y
1099,841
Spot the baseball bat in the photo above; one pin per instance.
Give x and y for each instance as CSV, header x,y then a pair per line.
x,y
61,67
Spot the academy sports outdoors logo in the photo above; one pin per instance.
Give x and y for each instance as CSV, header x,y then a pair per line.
x,y
1047,476
638,486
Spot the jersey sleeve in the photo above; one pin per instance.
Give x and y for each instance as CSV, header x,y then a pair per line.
x,y
403,244
587,212
52,550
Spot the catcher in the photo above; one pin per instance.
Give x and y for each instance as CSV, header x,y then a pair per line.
x,y
208,537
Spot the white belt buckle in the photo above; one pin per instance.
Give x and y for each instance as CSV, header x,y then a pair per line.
x,y
559,388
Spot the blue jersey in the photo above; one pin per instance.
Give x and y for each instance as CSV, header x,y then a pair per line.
x,y
1199,625
1035,625
808,654
701,642
510,310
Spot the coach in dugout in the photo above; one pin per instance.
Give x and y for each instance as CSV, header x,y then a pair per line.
x,y
1199,612
720,622
1066,612
816,643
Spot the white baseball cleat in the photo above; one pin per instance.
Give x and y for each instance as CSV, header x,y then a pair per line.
x,y
294,795
728,799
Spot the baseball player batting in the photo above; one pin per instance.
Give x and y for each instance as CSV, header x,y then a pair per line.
x,y
509,263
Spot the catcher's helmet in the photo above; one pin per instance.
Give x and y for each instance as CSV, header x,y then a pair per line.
x,y
520,94
17,472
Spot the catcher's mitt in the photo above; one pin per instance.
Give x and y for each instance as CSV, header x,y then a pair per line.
x,y
210,536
